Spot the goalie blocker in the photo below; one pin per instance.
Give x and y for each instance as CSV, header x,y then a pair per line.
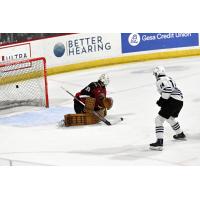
x,y
87,117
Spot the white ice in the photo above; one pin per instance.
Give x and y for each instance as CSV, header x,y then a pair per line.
x,y
30,135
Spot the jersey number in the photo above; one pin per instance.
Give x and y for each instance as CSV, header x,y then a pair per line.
x,y
172,83
88,89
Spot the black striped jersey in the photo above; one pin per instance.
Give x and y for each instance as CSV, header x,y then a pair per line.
x,y
167,88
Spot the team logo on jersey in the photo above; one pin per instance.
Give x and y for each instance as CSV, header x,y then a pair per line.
x,y
59,49
134,39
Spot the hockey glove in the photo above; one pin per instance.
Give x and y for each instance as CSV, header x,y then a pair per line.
x,y
161,102
108,103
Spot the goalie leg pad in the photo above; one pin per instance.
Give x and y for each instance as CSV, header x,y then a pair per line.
x,y
80,119
102,112
89,104
83,118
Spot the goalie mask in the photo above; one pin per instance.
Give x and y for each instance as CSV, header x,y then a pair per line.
x,y
104,79
159,71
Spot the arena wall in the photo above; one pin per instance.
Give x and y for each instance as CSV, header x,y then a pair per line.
x,y
88,50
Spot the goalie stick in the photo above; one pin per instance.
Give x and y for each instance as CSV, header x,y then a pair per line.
x,y
103,119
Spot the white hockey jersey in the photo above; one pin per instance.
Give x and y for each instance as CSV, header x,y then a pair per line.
x,y
166,86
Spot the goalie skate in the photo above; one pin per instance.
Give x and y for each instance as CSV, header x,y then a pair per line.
x,y
61,123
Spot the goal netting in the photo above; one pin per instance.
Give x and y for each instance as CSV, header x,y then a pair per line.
x,y
23,83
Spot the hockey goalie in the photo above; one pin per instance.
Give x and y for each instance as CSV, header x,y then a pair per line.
x,y
91,98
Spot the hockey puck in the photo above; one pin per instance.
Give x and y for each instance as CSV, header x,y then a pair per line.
x,y
122,118
17,86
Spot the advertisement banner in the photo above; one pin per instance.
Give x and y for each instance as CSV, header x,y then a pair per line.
x,y
15,52
77,48
136,42
84,47
81,46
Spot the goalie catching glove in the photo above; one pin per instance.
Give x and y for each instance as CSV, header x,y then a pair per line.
x,y
107,103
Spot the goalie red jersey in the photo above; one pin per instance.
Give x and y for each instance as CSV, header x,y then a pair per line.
x,y
95,90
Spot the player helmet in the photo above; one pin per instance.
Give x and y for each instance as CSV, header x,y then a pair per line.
x,y
104,79
159,70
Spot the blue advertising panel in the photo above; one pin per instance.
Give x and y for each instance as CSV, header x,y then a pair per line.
x,y
135,42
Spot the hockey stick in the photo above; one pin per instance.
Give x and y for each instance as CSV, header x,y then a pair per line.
x,y
103,119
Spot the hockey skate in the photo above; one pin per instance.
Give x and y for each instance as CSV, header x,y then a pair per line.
x,y
61,123
158,145
180,136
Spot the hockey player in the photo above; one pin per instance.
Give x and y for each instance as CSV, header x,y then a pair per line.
x,y
95,90
171,103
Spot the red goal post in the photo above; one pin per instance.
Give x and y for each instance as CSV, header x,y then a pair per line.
x,y
24,83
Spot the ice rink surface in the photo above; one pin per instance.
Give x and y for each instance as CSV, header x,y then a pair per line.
x,y
30,135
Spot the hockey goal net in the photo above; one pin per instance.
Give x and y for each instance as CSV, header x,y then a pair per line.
x,y
23,83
